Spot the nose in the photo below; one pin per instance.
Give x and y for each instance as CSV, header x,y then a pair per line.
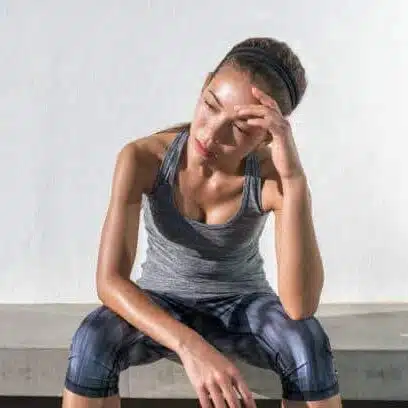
x,y
208,139
216,132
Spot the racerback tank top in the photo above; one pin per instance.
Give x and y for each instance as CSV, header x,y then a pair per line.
x,y
189,258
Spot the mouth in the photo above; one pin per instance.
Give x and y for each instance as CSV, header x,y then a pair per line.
x,y
202,150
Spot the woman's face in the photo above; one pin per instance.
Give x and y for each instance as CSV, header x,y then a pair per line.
x,y
216,132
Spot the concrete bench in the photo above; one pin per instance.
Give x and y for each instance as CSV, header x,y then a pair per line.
x,y
370,343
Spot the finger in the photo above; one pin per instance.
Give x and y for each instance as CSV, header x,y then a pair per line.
x,y
216,396
230,395
246,110
264,98
265,125
269,123
204,398
245,392
259,122
257,110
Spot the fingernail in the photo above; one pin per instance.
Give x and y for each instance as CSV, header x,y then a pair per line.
x,y
237,107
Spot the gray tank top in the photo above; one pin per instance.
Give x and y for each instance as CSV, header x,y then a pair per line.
x,y
192,259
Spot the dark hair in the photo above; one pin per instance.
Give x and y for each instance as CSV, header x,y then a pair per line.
x,y
264,76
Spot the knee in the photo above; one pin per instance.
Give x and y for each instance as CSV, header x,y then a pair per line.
x,y
309,364
93,339
313,340
308,344
92,358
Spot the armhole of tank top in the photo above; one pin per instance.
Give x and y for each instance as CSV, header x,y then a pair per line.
x,y
163,172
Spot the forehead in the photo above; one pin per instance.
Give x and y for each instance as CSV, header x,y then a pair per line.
x,y
232,87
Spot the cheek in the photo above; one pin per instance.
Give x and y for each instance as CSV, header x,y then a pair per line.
x,y
249,143
200,120
246,145
257,137
200,117
201,110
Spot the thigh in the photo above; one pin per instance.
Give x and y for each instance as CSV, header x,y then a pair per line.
x,y
106,344
298,350
228,323
142,349
256,328
105,337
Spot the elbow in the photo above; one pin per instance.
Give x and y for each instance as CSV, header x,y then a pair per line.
x,y
110,289
307,307
301,313
300,316
104,288
101,290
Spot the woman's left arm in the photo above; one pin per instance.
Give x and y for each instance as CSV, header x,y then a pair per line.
x,y
300,267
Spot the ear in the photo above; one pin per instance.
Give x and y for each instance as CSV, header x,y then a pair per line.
x,y
208,79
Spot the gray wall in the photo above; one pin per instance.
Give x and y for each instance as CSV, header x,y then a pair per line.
x,y
78,79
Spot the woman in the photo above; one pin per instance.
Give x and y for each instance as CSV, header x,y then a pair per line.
x,y
208,188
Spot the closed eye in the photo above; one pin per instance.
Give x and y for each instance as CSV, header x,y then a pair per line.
x,y
240,129
213,108
209,105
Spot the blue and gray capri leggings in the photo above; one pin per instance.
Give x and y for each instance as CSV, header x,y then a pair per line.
x,y
252,326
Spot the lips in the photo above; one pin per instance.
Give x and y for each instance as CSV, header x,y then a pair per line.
x,y
205,152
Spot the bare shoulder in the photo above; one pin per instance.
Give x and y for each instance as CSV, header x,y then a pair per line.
x,y
138,161
271,183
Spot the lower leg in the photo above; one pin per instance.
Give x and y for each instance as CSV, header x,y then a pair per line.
x,y
71,400
332,402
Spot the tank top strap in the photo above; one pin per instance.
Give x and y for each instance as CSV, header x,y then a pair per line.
x,y
252,182
255,184
171,158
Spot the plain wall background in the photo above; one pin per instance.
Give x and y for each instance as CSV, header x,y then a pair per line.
x,y
79,79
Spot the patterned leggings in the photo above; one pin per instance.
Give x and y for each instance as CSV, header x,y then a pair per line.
x,y
253,326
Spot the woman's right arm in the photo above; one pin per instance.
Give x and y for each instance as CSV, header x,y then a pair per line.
x,y
210,372
134,173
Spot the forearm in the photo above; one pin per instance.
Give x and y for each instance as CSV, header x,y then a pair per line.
x,y
300,268
129,301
